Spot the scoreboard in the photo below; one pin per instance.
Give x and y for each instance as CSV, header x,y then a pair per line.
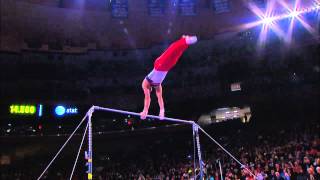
x,y
38,110
23,109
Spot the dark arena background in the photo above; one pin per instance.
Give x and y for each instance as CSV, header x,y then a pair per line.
x,y
243,102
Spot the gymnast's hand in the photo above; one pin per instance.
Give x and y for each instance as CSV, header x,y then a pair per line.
x,y
143,114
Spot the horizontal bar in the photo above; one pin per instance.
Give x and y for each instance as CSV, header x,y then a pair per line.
x,y
138,114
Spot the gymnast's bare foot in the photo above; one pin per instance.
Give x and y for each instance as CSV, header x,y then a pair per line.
x,y
161,114
143,114
190,39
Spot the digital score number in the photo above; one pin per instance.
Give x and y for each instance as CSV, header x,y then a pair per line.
x,y
23,109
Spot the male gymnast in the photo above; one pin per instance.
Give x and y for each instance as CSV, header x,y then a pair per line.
x,y
162,65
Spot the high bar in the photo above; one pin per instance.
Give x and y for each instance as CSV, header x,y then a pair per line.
x,y
138,114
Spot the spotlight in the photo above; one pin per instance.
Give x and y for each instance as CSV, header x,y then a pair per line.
x,y
268,20
294,14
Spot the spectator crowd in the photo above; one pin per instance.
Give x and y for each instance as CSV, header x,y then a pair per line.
x,y
282,155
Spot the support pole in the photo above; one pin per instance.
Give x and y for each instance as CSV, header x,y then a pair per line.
x,y
75,162
54,158
194,152
88,154
226,151
196,133
220,167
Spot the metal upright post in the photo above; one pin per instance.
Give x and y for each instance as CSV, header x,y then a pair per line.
x,y
220,167
88,154
196,132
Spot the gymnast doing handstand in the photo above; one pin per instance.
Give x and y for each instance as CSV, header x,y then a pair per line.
x,y
162,65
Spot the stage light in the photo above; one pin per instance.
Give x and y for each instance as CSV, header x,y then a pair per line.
x,y
294,14
268,20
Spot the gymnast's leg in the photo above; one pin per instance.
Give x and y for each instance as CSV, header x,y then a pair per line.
x,y
160,101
